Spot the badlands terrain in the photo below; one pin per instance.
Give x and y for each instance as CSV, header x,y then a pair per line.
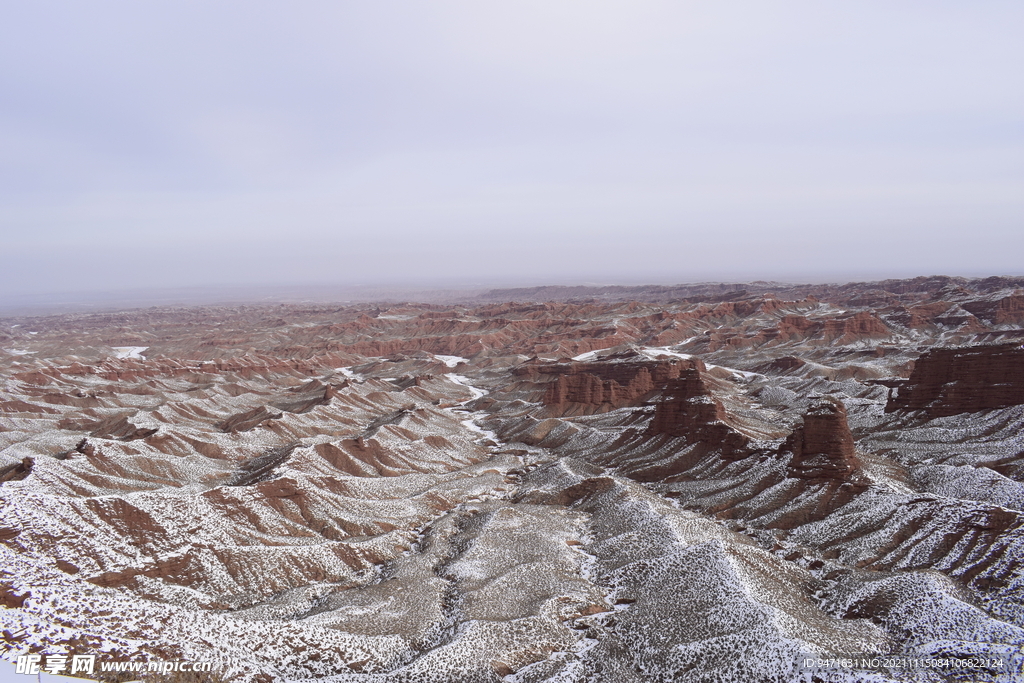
x,y
700,483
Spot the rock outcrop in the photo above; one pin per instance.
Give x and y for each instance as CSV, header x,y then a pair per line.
x,y
577,387
822,447
17,471
690,410
113,427
948,381
1007,310
250,419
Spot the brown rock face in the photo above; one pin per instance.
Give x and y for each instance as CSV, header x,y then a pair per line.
x,y
785,364
822,446
115,427
590,389
10,598
691,411
857,326
243,422
16,471
603,385
1006,310
307,397
18,406
842,329
952,381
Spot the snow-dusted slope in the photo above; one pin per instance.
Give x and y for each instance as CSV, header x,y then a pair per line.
x,y
721,490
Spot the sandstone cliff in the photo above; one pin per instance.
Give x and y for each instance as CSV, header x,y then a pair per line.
x,y
961,380
822,446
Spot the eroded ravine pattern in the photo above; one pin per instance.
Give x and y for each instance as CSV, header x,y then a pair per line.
x,y
712,490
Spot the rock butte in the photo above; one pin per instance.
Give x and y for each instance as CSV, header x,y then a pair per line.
x,y
726,481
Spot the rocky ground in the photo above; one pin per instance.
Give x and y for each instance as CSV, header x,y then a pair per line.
x,y
704,483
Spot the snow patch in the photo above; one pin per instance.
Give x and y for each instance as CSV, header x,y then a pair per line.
x,y
462,380
347,372
737,374
451,361
655,351
470,422
130,351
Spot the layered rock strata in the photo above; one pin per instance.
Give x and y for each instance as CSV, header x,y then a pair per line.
x,y
712,491
586,387
690,410
822,447
950,381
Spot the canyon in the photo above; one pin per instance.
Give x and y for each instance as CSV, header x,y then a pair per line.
x,y
702,483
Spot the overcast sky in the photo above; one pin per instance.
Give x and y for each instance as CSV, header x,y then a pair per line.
x,y
164,144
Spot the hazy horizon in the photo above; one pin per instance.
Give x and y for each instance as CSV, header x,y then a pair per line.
x,y
444,293
224,145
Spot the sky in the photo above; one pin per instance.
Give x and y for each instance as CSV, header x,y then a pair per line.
x,y
244,144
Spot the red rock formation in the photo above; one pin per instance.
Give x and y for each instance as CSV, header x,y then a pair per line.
x,y
691,411
114,427
921,315
18,406
617,381
822,446
238,516
785,364
589,389
18,470
961,380
795,326
243,422
999,312
956,317
849,328
838,330
10,598
308,396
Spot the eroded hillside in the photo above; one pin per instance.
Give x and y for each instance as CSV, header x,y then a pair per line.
x,y
710,487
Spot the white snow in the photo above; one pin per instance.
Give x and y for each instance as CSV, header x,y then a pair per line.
x,y
655,351
464,381
470,422
130,351
739,374
589,355
18,352
451,361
